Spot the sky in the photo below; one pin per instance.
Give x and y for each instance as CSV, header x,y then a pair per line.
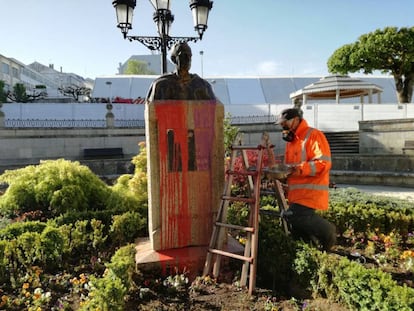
x,y
243,38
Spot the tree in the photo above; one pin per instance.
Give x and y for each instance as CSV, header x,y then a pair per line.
x,y
3,94
390,50
138,67
20,95
75,91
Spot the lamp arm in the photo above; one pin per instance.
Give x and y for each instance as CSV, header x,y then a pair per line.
x,y
154,43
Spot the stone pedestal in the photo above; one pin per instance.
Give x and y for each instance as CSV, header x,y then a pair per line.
x,y
110,118
185,151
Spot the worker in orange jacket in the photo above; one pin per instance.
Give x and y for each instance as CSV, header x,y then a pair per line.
x,y
308,157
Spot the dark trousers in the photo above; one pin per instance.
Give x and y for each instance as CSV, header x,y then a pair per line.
x,y
311,227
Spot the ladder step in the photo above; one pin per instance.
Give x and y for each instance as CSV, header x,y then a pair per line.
x,y
243,173
232,255
246,147
230,226
267,192
238,199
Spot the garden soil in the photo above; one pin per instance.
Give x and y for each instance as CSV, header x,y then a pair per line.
x,y
227,297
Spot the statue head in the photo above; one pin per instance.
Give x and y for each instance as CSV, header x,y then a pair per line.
x,y
181,56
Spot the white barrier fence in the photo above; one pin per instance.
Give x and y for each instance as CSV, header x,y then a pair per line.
x,y
327,117
331,117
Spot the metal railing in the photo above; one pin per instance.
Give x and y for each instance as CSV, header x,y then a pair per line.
x,y
130,123
37,123
48,123
253,119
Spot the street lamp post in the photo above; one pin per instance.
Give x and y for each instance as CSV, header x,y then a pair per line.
x,y
163,18
202,69
109,84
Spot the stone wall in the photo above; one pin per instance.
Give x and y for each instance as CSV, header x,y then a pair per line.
x,y
385,136
24,146
381,159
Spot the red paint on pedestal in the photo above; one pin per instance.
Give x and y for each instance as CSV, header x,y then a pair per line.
x,y
179,186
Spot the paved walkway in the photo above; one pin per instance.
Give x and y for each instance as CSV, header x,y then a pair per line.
x,y
399,192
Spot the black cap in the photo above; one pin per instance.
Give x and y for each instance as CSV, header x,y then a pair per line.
x,y
288,114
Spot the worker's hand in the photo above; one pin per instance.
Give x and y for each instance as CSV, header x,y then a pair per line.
x,y
294,170
290,169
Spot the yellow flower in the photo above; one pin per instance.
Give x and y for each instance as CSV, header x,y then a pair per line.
x,y
26,285
37,296
407,254
82,278
38,271
75,281
4,300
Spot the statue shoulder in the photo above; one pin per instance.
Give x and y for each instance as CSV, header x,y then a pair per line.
x,y
166,77
199,80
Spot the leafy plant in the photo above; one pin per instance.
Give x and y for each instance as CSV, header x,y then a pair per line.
x,y
126,227
230,134
350,282
15,229
108,292
51,246
3,95
123,264
53,187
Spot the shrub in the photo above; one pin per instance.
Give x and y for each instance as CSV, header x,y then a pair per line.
x,y
130,193
52,187
138,184
28,249
15,229
52,246
4,261
275,254
126,227
123,264
362,212
108,292
351,283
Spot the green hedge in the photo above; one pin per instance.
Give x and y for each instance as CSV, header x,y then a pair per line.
x,y
350,283
362,212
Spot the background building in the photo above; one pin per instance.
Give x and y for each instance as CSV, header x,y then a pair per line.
x,y
34,75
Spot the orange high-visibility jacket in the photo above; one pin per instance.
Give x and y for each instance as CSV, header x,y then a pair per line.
x,y
310,152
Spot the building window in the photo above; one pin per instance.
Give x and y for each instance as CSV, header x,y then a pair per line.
x,y
15,72
5,68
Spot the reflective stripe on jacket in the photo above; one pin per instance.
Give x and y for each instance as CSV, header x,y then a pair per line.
x,y
310,151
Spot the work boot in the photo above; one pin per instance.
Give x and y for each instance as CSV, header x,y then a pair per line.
x,y
330,238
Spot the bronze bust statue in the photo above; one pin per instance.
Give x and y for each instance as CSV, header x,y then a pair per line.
x,y
181,84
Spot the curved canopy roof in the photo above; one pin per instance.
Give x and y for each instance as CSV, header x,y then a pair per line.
x,y
336,87
249,91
